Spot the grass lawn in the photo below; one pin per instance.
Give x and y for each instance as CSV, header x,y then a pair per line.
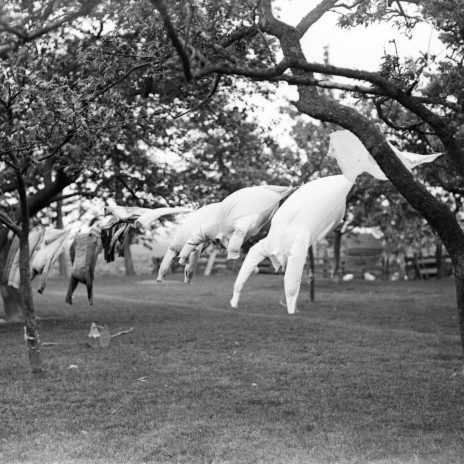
x,y
363,375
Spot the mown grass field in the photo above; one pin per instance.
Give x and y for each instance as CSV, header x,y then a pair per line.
x,y
363,375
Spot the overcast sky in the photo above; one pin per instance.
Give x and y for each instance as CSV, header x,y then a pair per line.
x,y
359,47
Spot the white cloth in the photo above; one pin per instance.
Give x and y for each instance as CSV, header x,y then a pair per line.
x,y
192,221
239,216
143,217
354,159
148,218
35,238
52,246
306,217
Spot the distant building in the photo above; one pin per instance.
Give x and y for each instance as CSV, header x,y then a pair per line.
x,y
362,253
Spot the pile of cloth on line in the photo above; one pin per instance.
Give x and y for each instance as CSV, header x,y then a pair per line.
x,y
109,237
54,241
115,230
11,270
238,217
44,248
192,221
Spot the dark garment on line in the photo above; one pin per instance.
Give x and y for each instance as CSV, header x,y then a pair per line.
x,y
113,237
83,252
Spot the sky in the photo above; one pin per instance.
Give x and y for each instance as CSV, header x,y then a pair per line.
x,y
360,47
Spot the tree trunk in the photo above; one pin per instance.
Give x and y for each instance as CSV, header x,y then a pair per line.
x,y
312,276
401,260
31,333
387,264
63,268
336,249
440,260
459,276
128,262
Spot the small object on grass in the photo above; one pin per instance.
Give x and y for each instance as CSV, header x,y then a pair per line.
x,y
348,277
73,366
104,339
122,332
458,373
94,332
369,277
143,379
94,335
98,336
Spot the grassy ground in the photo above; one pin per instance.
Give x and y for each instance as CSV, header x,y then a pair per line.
x,y
364,375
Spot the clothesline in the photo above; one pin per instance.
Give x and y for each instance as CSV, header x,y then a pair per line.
x,y
307,215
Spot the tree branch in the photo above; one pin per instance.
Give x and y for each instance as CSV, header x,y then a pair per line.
x,y
116,82
390,123
74,194
84,10
314,15
5,220
385,87
239,34
172,34
327,109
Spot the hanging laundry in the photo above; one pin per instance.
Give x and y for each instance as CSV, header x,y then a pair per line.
x,y
53,243
84,253
146,219
143,217
193,221
125,213
306,217
239,216
35,238
113,240
13,244
353,157
114,232
310,213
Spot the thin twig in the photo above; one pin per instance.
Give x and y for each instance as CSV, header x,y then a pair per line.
x,y
201,104
5,220
122,332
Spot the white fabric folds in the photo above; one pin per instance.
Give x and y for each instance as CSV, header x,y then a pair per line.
x,y
142,217
35,238
306,217
192,222
354,159
52,246
239,216
312,212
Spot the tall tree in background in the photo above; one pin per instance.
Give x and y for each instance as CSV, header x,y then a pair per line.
x,y
58,110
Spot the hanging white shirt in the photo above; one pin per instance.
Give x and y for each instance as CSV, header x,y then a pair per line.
x,y
306,217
